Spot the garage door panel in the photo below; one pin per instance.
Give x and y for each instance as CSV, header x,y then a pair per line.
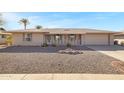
x,y
94,39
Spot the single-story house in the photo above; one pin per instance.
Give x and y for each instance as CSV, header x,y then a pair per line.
x,y
119,38
62,36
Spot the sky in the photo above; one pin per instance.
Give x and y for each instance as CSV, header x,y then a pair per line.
x,y
113,21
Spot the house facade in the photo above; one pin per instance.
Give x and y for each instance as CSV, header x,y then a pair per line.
x,y
61,36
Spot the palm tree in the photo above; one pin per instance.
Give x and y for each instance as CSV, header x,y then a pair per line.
x,y
25,22
39,27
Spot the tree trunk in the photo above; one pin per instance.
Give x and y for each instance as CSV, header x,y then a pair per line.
x,y
25,26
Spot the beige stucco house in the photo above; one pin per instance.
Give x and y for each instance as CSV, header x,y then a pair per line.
x,y
62,36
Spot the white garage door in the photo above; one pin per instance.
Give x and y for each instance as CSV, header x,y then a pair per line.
x,y
96,39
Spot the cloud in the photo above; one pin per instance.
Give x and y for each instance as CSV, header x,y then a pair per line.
x,y
33,18
103,15
64,23
50,20
11,17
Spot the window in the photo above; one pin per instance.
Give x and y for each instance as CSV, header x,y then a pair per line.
x,y
2,36
27,36
58,37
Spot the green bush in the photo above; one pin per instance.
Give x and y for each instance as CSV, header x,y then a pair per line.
x,y
68,45
9,40
44,45
122,43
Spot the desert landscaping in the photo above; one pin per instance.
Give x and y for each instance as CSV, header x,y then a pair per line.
x,y
42,60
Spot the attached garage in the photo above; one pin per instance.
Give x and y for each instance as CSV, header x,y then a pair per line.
x,y
97,39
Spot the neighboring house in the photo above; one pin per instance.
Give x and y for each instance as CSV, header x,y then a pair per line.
x,y
61,36
2,38
3,35
119,38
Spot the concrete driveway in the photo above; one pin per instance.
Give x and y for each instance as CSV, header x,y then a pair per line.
x,y
113,51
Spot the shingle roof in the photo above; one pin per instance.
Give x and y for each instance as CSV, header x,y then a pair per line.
x,y
63,30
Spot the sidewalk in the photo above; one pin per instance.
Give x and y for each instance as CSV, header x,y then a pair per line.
x,y
61,77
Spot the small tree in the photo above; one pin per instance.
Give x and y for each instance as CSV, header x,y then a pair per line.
x,y
9,39
25,22
39,27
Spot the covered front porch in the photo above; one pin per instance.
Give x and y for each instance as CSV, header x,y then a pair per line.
x,y
63,39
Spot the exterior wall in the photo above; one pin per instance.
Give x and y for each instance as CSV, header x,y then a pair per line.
x,y
111,39
37,40
97,39
84,39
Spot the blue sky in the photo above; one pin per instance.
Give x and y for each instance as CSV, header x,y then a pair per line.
x,y
98,20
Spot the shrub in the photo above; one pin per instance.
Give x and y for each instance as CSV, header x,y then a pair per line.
x,y
122,43
68,45
9,40
39,27
44,45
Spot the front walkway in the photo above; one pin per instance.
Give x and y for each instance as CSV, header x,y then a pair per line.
x,y
113,51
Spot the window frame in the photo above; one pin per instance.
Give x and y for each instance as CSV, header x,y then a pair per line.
x,y
27,37
3,36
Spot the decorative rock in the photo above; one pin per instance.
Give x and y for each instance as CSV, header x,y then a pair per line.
x,y
70,51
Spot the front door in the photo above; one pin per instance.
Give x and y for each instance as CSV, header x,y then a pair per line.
x,y
71,39
48,39
58,39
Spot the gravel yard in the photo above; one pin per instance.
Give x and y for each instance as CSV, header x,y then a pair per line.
x,y
47,60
